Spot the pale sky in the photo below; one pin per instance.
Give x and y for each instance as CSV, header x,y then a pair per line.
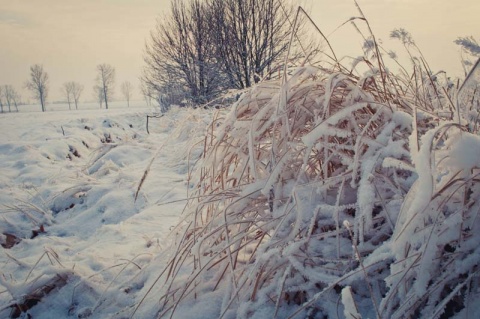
x,y
71,37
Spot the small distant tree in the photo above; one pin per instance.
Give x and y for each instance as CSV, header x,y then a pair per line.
x,y
98,94
72,91
38,84
77,90
15,99
11,97
67,92
106,81
127,89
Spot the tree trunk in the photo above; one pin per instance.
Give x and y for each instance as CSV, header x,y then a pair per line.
x,y
42,102
105,96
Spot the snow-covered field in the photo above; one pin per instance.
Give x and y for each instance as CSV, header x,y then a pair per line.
x,y
72,233
310,198
82,106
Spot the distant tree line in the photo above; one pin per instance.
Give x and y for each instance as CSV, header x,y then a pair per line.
x,y
204,48
38,85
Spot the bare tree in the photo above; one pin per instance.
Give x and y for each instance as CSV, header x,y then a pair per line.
x,y
38,84
67,92
205,47
11,97
180,63
15,96
106,81
252,36
72,91
77,90
8,92
127,90
98,94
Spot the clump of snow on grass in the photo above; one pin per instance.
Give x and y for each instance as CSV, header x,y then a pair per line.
x,y
465,151
350,310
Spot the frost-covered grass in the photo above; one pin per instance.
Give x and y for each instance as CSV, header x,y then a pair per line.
x,y
333,192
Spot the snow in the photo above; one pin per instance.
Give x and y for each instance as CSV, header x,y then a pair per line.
x,y
67,186
350,310
240,216
465,152
402,119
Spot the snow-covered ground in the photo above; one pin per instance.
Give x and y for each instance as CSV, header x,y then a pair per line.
x,y
72,233
82,106
382,221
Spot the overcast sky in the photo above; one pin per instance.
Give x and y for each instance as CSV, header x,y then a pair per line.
x,y
71,37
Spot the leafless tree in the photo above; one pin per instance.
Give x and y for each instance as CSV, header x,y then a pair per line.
x,y
98,94
77,90
38,84
72,91
206,47
179,60
11,97
127,90
67,92
106,81
16,99
252,36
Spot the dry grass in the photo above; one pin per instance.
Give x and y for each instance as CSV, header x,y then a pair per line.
x,y
296,157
